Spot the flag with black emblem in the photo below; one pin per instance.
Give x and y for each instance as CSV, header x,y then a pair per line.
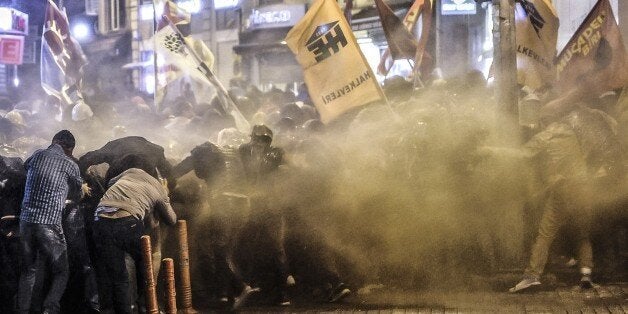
x,y
174,48
335,71
537,32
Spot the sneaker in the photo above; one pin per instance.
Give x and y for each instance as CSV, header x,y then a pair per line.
x,y
284,300
338,293
526,283
585,282
290,281
244,295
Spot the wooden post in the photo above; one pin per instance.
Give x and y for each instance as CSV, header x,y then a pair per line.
x,y
185,283
149,280
171,292
505,57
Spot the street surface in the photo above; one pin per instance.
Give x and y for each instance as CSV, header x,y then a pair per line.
x,y
559,294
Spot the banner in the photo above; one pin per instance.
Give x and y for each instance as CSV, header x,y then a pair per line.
x,y
537,32
335,71
401,42
594,59
421,8
347,12
62,59
166,47
191,57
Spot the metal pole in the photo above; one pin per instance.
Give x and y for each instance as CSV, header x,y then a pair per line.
x,y
149,280
505,57
212,29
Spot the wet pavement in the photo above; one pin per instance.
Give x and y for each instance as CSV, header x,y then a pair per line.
x,y
559,293
605,298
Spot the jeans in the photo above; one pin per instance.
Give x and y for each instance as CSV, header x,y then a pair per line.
x,y
114,238
42,243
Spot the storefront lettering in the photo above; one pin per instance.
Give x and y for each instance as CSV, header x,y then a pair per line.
x,y
270,17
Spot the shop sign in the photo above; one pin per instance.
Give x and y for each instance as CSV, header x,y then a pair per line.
x,y
274,16
11,49
458,7
13,21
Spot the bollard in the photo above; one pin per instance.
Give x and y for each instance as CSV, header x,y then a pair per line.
x,y
184,268
171,292
149,281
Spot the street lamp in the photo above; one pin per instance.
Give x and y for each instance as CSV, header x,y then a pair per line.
x,y
81,31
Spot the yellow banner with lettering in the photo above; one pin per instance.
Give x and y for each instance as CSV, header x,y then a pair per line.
x,y
335,71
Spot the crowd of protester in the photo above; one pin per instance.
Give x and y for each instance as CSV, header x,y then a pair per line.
x,y
296,205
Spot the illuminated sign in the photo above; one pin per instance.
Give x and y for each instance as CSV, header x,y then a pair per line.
x,y
11,49
13,21
223,4
458,7
273,16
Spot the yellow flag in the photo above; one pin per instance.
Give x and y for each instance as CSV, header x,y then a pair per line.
x,y
537,32
335,71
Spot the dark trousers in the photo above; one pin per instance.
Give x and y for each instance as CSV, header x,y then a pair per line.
x,y
114,238
42,245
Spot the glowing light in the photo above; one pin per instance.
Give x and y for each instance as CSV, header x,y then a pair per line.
x,y
81,31
16,82
192,6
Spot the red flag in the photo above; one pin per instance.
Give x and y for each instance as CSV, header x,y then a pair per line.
x,y
62,57
177,16
592,62
401,43
347,12
421,8
596,49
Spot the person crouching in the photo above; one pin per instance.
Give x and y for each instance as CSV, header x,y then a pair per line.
x,y
131,196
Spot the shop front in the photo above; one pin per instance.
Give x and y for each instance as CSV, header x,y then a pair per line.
x,y
13,33
265,57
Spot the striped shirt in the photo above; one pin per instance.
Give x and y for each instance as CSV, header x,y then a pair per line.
x,y
50,177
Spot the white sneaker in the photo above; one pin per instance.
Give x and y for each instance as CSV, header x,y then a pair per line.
x,y
245,294
526,283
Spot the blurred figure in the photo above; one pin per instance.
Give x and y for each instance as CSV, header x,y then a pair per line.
x,y
576,153
266,225
221,167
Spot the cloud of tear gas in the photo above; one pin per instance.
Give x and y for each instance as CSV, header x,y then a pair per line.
x,y
410,198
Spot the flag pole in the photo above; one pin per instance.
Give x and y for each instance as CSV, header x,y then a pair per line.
x,y
155,68
210,76
505,56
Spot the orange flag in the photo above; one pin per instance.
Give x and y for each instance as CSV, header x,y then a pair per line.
x,y
337,75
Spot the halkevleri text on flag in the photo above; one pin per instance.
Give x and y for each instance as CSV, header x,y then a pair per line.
x,y
536,33
335,71
62,58
594,59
